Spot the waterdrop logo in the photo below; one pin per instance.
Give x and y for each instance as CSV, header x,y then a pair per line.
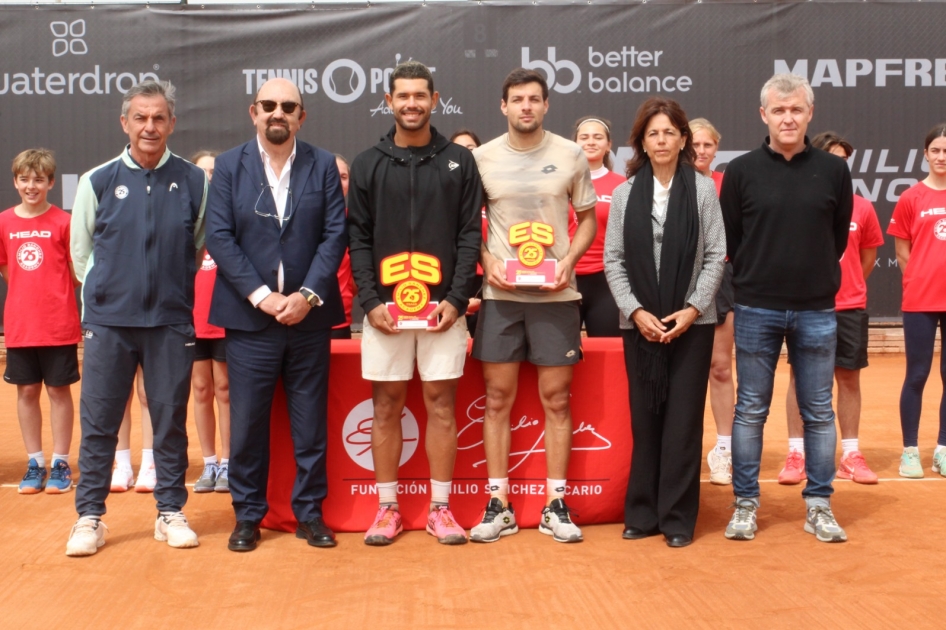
x,y
68,38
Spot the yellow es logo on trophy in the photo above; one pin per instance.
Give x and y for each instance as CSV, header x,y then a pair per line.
x,y
530,266
411,273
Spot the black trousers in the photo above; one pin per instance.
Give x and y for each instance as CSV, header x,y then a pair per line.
x,y
112,356
663,492
255,362
599,311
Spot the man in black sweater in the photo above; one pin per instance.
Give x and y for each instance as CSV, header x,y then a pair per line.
x,y
787,209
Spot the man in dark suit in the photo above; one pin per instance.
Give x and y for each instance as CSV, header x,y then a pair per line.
x,y
276,229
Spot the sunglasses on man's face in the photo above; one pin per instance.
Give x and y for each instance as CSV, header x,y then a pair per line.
x,y
269,107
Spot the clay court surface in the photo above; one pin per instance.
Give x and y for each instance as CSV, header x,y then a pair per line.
x,y
890,573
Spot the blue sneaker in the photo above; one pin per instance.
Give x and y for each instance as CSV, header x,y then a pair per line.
x,y
60,478
34,480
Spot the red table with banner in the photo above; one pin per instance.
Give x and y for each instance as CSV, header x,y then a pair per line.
x,y
597,473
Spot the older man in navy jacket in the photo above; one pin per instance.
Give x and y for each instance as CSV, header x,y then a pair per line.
x,y
276,229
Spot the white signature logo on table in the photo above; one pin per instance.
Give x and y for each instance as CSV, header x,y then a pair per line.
x,y
356,434
467,438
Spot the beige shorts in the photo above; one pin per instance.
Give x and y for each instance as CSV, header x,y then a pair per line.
x,y
440,356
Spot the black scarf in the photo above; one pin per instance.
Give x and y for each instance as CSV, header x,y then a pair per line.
x,y
677,256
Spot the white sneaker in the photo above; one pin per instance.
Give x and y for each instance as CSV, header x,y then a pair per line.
x,y
87,535
497,521
172,527
720,465
146,480
556,522
122,478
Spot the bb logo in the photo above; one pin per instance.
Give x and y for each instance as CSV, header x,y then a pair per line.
x,y
29,256
121,192
939,230
208,263
532,238
551,67
411,296
68,38
356,434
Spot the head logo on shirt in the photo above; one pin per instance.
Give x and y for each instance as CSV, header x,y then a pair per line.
x,y
29,256
121,192
939,230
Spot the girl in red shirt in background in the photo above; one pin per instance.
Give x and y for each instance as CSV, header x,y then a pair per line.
x,y
346,282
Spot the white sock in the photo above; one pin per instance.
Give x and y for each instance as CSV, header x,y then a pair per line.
x,y
40,460
499,487
387,493
555,489
938,449
123,458
60,457
797,444
724,443
440,492
225,462
849,446
147,457
210,460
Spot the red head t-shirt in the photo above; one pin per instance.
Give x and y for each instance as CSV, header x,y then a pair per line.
x,y
920,217
865,234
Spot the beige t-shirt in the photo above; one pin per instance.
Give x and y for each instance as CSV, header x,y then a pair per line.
x,y
534,185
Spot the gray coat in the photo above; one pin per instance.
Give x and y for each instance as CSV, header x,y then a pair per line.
x,y
707,266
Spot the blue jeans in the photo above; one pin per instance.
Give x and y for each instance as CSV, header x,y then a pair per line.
x,y
811,337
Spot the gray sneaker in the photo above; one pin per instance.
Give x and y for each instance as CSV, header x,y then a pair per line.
x,y
742,525
822,524
557,522
497,521
207,480
223,479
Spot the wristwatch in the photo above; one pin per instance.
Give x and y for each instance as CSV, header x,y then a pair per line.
x,y
310,297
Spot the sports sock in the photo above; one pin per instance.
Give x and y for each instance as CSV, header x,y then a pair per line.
x,y
147,457
554,489
123,458
499,488
60,457
724,444
387,493
849,446
225,462
797,444
210,460
439,492
40,460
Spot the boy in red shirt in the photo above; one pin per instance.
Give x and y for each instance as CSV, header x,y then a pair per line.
x,y
41,319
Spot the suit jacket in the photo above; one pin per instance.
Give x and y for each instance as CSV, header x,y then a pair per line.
x,y
248,248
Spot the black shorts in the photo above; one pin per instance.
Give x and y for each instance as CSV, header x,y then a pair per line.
x,y
206,349
57,366
542,333
725,297
852,339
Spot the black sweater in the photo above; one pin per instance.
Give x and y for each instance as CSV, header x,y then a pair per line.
x,y
787,225
418,199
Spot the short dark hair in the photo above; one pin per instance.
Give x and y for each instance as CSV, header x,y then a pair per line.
x,y
411,70
465,132
202,154
939,131
521,76
678,118
827,140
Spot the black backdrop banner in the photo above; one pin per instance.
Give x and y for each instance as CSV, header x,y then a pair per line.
x,y
878,72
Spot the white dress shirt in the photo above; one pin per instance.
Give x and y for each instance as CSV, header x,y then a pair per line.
x,y
279,188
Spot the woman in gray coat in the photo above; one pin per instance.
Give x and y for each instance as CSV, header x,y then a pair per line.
x,y
664,253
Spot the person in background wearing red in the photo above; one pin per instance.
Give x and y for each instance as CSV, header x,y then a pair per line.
x,y
919,226
41,320
722,390
466,138
346,282
599,312
210,379
851,355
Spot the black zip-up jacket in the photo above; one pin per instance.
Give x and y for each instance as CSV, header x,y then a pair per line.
x,y
416,199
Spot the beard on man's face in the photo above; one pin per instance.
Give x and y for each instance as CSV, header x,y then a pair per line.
x,y
277,133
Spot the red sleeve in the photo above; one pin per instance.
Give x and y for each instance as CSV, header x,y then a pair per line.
x,y
901,223
6,241
873,236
